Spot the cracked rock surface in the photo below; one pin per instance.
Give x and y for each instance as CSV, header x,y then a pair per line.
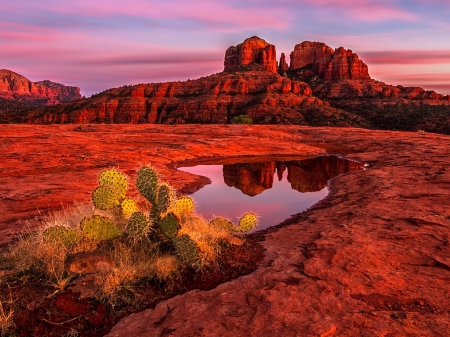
x,y
372,259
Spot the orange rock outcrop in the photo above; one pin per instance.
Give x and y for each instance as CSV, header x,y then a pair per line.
x,y
262,95
252,50
327,63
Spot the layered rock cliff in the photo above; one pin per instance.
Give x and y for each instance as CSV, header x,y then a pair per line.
x,y
18,88
252,50
318,59
262,95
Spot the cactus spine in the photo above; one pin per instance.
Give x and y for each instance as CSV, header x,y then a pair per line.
x,y
61,235
247,222
184,206
169,225
138,225
186,249
222,222
99,228
114,180
128,207
147,183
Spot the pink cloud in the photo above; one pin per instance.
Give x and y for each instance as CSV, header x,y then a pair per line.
x,y
364,10
407,57
219,14
13,31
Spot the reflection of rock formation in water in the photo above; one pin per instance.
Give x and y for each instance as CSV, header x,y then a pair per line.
x,y
251,179
309,175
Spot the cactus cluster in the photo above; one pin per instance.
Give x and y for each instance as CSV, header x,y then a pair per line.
x,y
246,223
167,213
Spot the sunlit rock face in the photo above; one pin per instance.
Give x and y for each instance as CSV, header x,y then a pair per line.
x,y
327,63
309,175
252,50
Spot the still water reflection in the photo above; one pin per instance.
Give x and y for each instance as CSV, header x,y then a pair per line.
x,y
273,189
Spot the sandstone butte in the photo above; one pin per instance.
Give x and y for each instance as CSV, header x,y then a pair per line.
x,y
320,86
18,88
371,259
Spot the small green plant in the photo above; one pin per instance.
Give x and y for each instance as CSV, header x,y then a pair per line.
x,y
241,119
153,243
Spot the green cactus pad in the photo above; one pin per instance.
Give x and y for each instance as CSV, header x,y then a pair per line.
x,y
61,235
104,198
186,249
165,197
247,222
128,206
138,225
169,225
99,228
184,205
222,222
114,180
147,183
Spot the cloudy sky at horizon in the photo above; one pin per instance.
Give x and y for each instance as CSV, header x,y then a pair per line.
x,y
102,44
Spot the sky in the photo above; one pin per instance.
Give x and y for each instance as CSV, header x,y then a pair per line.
x,y
101,44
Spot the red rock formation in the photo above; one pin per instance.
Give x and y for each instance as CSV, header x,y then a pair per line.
x,y
324,62
363,89
283,64
311,175
251,179
18,88
214,99
308,175
252,50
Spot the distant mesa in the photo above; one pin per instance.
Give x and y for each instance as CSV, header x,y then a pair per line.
x,y
18,88
308,175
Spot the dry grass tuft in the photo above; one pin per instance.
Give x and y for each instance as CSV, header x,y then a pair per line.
x,y
6,316
206,236
166,267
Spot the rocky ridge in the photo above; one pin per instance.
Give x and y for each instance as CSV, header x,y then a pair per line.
x,y
18,88
264,96
320,86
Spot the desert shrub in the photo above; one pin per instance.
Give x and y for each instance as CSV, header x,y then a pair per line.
x,y
241,119
151,242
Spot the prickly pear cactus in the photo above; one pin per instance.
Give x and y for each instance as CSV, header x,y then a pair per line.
x,y
147,183
169,225
61,235
114,180
99,228
183,206
105,198
128,206
138,225
247,222
186,249
164,199
222,222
